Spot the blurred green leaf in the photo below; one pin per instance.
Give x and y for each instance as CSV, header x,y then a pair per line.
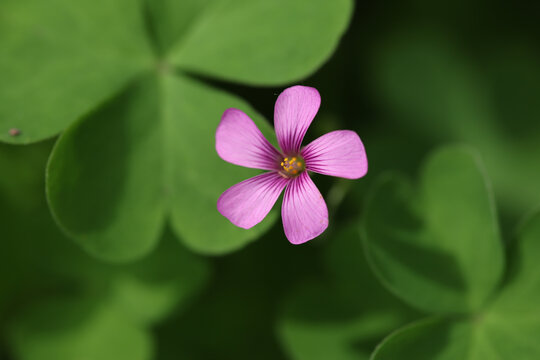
x,y
506,329
344,314
436,339
438,249
151,289
262,42
316,325
513,320
42,273
110,188
427,81
59,59
73,329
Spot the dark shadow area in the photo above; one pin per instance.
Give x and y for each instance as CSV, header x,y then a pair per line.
x,y
32,245
431,264
150,28
517,254
394,229
235,317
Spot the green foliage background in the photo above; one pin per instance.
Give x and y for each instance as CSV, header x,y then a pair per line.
x,y
111,246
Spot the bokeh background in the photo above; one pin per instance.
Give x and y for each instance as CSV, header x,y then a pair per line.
x,y
408,77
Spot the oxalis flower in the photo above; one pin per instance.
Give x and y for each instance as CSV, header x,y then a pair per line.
x,y
304,212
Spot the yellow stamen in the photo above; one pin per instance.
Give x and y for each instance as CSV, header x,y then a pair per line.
x,y
292,167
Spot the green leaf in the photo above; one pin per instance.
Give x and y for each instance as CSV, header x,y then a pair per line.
x,y
170,20
146,291
60,59
346,265
82,54
67,329
104,178
115,176
437,339
344,315
317,325
110,307
513,320
263,42
474,339
438,249
198,175
507,328
151,289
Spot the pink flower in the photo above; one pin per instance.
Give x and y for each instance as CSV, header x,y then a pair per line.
x,y
304,212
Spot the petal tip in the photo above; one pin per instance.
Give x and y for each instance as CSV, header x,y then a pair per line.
x,y
229,110
303,240
338,153
294,111
304,211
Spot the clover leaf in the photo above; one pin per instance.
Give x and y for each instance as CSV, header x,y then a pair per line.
x,y
61,59
138,148
437,247
507,328
114,194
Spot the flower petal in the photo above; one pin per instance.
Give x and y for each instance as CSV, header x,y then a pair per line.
x,y
295,109
247,203
240,142
304,211
338,153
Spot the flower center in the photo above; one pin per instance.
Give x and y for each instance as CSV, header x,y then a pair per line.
x,y
292,166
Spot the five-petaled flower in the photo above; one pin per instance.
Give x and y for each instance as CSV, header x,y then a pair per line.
x,y
304,212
